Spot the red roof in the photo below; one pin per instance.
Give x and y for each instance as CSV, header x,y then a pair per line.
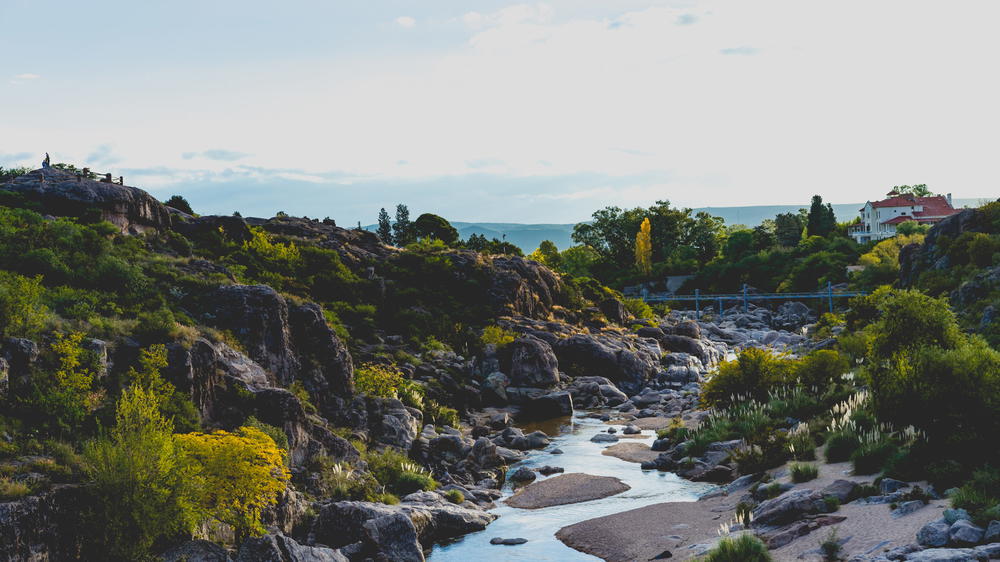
x,y
898,220
934,205
900,201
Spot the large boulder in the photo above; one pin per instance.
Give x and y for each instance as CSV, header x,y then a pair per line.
x,y
42,527
326,367
629,363
934,533
279,548
533,363
791,316
395,536
788,507
63,193
201,551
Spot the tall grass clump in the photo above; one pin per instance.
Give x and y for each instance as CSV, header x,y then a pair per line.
x,y
744,548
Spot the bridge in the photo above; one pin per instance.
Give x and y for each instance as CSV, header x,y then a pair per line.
x,y
745,297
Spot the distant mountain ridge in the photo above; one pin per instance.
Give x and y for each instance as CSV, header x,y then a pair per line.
x,y
528,236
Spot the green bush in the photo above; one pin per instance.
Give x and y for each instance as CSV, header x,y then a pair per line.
x,y
831,503
455,497
397,472
639,309
752,375
820,368
10,490
495,335
803,472
744,548
840,445
871,458
374,379
412,481
22,313
980,496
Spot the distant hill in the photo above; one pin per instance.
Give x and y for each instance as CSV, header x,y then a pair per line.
x,y
528,236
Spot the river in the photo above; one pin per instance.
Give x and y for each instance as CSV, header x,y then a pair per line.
x,y
572,436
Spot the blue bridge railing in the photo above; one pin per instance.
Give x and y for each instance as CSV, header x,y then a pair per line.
x,y
745,297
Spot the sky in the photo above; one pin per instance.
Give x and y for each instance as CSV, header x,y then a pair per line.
x,y
506,112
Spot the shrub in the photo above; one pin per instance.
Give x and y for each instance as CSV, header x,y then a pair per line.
x,y
832,503
275,433
21,310
803,472
138,487
820,368
840,445
801,444
495,335
455,496
397,472
374,379
831,547
237,476
410,481
870,458
441,415
980,496
300,392
752,375
745,548
10,490
339,481
64,396
639,309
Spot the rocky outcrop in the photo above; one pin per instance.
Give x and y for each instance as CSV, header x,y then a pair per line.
x,y
533,363
63,193
279,548
522,286
340,524
357,248
43,527
325,365
629,363
917,258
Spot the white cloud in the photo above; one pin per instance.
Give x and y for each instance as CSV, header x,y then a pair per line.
x,y
406,21
27,76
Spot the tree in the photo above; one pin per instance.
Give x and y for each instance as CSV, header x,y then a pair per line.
x,y
788,229
821,221
139,487
919,189
644,248
179,203
704,235
547,254
22,313
402,229
433,226
238,475
63,394
173,404
739,245
577,260
764,237
611,233
912,227
384,227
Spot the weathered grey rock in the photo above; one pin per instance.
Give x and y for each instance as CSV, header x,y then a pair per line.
x,y
523,474
992,533
507,542
629,363
62,193
907,508
547,406
494,389
934,534
787,507
965,533
944,555
604,438
843,490
953,515
42,527
202,551
395,537
989,551
279,548
533,363
890,485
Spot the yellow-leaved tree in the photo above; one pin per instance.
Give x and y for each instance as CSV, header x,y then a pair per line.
x,y
644,248
238,475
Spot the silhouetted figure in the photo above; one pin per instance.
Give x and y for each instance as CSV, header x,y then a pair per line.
x,y
47,161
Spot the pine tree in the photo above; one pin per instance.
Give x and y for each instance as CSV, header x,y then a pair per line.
x,y
384,227
644,248
821,221
402,229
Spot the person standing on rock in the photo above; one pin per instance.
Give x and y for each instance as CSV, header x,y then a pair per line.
x,y
47,161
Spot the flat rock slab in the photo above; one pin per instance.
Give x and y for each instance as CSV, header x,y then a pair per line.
x,y
654,423
631,452
565,489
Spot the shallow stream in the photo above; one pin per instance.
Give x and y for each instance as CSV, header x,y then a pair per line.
x,y
572,436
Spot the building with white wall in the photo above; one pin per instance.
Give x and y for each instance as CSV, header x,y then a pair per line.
x,y
880,218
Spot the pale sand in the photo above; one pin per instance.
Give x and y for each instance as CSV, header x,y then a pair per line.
x,y
644,533
565,489
631,452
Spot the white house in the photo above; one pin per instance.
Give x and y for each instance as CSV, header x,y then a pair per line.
x,y
879,218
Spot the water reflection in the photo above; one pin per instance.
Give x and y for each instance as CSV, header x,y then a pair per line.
x,y
540,525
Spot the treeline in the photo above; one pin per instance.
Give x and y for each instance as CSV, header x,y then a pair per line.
x,y
793,251
402,232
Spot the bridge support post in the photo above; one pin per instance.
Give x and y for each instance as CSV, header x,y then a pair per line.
x,y
746,305
829,294
697,304
720,308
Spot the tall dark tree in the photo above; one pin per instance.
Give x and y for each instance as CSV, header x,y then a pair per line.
x,y
821,221
764,236
788,229
429,225
705,236
384,227
402,229
180,203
